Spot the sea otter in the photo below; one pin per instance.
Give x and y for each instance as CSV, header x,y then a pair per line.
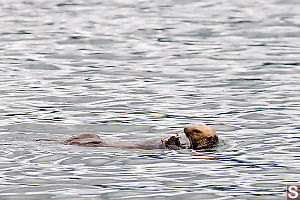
x,y
199,136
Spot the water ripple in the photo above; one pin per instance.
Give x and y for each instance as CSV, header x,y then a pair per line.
x,y
146,69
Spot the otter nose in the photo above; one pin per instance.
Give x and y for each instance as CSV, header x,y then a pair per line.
x,y
186,131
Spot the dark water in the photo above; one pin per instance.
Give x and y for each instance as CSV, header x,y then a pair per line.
x,y
146,69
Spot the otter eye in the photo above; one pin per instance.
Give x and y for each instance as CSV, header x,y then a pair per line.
x,y
196,131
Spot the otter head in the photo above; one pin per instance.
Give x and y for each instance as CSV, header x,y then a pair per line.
x,y
201,136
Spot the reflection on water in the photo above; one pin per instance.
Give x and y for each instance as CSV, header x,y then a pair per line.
x,y
146,69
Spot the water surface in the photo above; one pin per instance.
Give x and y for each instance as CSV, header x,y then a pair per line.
x,y
146,69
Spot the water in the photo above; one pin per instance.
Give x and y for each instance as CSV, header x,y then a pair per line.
x,y
146,69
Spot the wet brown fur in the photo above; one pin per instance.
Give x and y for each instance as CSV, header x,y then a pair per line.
x,y
199,136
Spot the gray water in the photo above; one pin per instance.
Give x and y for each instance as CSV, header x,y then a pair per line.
x,y
146,69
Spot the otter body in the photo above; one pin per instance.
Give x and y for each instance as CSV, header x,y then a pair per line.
x,y
199,136
93,140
